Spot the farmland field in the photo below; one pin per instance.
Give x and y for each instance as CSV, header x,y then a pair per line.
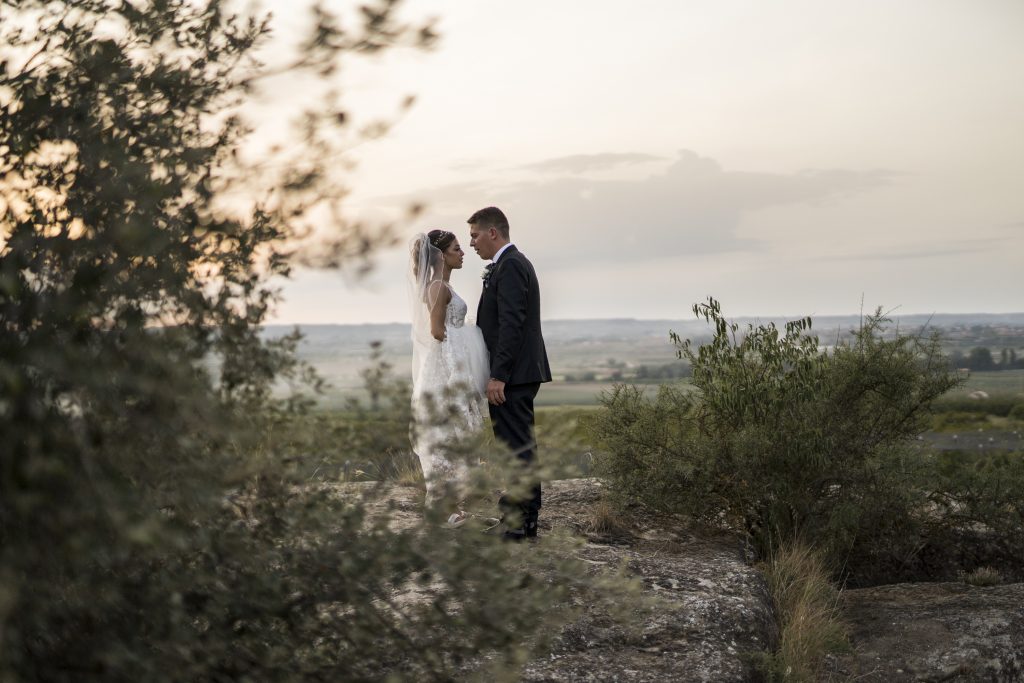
x,y
589,356
1005,382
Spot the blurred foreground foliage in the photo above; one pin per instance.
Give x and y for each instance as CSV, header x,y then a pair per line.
x,y
151,527
788,442
368,440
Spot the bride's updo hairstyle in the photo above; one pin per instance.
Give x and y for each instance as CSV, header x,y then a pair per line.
x,y
439,239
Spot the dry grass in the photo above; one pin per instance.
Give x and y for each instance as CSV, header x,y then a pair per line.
x,y
604,519
400,468
806,606
982,576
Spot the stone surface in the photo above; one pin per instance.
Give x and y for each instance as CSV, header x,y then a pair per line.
x,y
934,632
701,615
704,612
708,610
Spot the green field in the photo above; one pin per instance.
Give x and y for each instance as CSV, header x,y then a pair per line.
x,y
578,393
1005,382
588,356
560,393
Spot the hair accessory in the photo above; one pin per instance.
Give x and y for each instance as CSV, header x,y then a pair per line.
x,y
438,239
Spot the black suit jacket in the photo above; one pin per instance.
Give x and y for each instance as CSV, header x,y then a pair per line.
x,y
509,317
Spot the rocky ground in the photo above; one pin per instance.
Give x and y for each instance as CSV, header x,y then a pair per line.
x,y
707,612
713,610
933,632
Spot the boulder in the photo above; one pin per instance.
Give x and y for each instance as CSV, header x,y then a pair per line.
x,y
933,632
704,613
707,613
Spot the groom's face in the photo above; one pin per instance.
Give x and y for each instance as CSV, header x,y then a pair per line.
x,y
483,241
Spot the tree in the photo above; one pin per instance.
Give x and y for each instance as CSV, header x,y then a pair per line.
x,y
146,531
980,358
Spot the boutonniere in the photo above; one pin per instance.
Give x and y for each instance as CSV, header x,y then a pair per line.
x,y
486,275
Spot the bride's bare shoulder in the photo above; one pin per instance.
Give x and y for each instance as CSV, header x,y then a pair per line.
x,y
438,292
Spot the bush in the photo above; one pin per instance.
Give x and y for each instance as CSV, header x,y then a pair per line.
x,y
978,511
784,440
157,520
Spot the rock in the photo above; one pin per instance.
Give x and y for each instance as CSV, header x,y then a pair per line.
x,y
704,613
711,611
934,632
712,614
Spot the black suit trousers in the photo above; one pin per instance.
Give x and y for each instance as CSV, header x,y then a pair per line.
x,y
512,423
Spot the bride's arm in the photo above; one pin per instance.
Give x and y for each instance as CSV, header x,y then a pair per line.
x,y
438,297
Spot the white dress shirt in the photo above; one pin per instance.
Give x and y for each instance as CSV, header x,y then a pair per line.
x,y
500,252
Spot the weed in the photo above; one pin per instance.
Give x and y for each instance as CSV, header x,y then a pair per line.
x,y
981,576
806,606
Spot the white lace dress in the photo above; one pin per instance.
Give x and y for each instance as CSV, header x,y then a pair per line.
x,y
448,395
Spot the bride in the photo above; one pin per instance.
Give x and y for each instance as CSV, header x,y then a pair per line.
x,y
449,363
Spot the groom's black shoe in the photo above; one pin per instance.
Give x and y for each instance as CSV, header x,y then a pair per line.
x,y
517,511
530,528
526,532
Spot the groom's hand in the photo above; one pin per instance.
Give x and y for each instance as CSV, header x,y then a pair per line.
x,y
495,392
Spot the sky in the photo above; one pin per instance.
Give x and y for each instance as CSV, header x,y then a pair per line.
x,y
797,157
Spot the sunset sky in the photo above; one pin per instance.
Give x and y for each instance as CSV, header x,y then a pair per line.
x,y
788,157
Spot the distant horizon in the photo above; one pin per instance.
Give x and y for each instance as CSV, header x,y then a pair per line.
x,y
1008,314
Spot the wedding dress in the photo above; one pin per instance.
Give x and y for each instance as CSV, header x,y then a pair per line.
x,y
449,377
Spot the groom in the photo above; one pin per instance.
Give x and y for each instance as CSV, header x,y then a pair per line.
x,y
509,317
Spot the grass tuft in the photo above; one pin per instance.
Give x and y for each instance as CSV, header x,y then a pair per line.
x,y
806,606
982,576
604,519
400,467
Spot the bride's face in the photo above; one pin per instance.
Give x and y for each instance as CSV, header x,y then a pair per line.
x,y
454,255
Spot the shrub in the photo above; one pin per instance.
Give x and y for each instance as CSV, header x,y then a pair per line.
x,y
977,503
151,527
646,448
784,440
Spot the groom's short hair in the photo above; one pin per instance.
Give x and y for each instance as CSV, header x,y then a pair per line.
x,y
491,217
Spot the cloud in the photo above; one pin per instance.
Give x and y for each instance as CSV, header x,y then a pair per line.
x,y
692,207
908,254
581,163
953,248
468,165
